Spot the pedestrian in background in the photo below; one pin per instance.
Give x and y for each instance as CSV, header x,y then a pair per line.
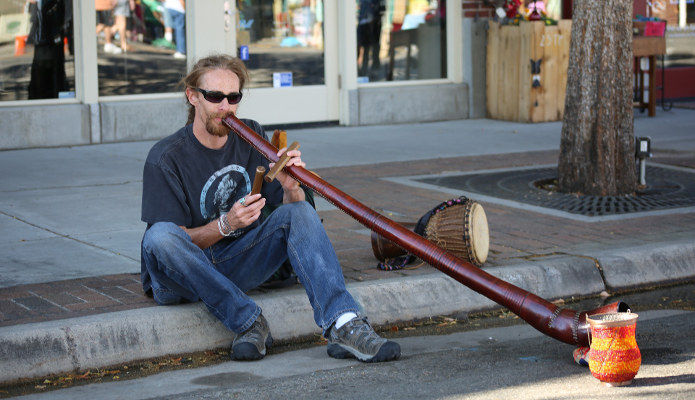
x,y
104,10
175,16
53,23
121,14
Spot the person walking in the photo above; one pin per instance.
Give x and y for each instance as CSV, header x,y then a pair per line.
x,y
121,14
176,15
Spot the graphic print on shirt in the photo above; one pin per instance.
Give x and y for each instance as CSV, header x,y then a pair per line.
x,y
222,190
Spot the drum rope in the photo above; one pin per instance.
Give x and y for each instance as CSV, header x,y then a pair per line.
x,y
397,263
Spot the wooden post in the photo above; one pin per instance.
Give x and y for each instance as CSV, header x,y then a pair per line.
x,y
652,85
510,95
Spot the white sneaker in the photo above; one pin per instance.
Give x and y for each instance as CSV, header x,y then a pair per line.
x,y
179,56
111,48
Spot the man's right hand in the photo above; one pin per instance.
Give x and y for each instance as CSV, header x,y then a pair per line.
x,y
245,211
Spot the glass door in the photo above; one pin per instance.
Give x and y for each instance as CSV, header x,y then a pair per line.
x,y
36,50
290,52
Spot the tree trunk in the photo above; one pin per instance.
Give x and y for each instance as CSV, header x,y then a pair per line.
x,y
598,144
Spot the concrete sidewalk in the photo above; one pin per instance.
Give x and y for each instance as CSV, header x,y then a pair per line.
x,y
69,286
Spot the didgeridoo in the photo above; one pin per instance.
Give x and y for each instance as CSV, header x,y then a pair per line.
x,y
563,324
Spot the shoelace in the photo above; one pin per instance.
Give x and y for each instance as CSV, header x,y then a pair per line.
x,y
365,333
255,333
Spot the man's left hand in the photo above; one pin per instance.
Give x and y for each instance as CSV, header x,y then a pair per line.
x,y
287,182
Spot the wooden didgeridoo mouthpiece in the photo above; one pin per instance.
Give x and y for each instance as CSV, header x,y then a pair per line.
x,y
279,139
258,180
281,163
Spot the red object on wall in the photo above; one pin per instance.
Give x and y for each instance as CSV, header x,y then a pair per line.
x,y
653,28
680,82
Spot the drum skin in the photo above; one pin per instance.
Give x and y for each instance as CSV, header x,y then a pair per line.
x,y
462,230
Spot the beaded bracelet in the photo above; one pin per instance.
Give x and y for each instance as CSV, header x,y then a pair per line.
x,y
225,229
220,226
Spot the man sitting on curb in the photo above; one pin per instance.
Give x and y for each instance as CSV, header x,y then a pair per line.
x,y
205,239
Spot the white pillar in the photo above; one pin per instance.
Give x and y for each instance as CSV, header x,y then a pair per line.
x,y
454,48
682,13
205,29
332,55
347,69
86,70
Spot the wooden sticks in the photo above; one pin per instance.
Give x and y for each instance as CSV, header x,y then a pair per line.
x,y
281,163
258,180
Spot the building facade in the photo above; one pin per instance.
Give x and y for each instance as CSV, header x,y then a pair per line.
x,y
98,71
76,72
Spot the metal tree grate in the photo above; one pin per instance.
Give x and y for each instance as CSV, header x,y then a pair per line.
x,y
667,188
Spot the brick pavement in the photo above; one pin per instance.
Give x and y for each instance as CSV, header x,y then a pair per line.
x,y
514,234
71,298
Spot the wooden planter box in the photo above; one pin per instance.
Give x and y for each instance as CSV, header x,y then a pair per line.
x,y
510,49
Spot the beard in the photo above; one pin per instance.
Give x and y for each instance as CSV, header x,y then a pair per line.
x,y
217,129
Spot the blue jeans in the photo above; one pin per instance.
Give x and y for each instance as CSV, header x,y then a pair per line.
x,y
178,24
220,274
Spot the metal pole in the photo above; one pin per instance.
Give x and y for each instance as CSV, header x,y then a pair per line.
x,y
642,172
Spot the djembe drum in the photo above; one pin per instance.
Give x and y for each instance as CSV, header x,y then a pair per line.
x,y
462,230
459,226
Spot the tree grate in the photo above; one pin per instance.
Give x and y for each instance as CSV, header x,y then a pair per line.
x,y
667,188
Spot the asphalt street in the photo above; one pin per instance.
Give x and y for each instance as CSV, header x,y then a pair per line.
x,y
483,363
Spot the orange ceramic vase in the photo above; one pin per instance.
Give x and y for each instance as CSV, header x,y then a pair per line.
x,y
614,357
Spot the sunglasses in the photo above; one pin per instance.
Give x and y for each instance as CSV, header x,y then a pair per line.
x,y
216,97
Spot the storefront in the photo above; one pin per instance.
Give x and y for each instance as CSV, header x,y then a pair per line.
x,y
675,71
97,71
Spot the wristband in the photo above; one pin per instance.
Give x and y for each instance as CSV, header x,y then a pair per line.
x,y
221,227
226,230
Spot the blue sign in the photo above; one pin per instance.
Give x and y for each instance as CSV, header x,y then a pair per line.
x,y
244,53
282,79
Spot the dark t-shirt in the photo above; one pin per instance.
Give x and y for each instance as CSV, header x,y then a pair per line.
x,y
190,185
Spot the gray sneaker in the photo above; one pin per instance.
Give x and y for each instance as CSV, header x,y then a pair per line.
x,y
357,339
252,344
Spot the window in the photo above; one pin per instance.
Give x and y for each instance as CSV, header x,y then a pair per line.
x,y
281,41
141,46
401,40
36,50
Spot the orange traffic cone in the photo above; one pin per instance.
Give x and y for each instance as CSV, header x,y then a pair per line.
x,y
20,42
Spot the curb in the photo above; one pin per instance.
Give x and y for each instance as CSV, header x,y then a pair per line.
x,y
649,264
40,349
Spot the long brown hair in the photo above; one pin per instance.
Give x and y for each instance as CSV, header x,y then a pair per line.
x,y
209,63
